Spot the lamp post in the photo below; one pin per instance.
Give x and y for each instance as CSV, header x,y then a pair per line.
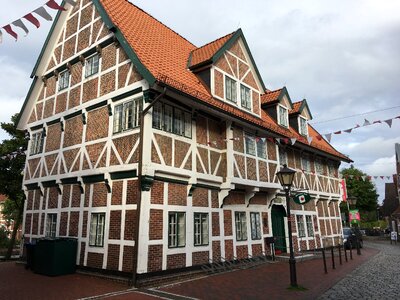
x,y
286,176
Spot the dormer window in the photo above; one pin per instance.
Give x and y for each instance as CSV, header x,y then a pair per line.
x,y
303,126
245,97
230,89
283,116
92,65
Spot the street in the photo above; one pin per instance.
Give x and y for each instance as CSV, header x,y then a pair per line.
x,y
376,279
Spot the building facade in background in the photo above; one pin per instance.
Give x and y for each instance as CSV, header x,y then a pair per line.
x,y
212,144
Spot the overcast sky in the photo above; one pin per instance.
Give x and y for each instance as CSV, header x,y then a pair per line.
x,y
342,56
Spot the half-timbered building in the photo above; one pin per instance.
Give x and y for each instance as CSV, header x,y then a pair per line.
x,y
188,181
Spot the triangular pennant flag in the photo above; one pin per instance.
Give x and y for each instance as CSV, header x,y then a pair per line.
x,y
382,177
357,126
398,117
32,19
328,137
11,32
263,140
309,139
363,177
319,137
72,2
369,177
53,4
41,11
270,139
377,122
388,177
286,140
348,130
338,132
21,25
375,177
351,176
257,139
389,122
293,140
366,122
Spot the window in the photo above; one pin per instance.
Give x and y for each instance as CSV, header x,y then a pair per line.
x,y
63,80
250,145
51,225
245,97
300,226
200,229
310,228
305,162
176,229
255,226
230,89
92,65
241,229
283,160
37,143
96,235
331,169
318,166
303,126
282,116
261,148
172,119
126,115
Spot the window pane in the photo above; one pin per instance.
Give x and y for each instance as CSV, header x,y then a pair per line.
x,y
157,114
181,229
250,145
188,125
117,127
172,230
204,229
261,149
245,97
178,121
168,118
128,115
93,227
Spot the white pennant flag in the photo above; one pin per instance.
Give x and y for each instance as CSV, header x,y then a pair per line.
x,y
388,177
263,140
366,122
21,25
363,177
72,2
328,137
389,122
41,11
293,140
309,139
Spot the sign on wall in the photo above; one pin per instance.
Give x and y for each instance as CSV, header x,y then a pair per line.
x,y
302,198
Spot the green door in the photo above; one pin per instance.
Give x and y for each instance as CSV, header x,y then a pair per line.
x,y
278,227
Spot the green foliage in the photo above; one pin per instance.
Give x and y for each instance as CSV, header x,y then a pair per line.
x,y
382,224
363,190
4,240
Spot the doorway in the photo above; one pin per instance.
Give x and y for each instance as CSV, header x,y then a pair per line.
x,y
278,214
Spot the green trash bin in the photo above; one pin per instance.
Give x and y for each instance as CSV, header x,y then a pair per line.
x,y
54,257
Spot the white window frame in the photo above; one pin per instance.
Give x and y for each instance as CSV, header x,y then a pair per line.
x,y
301,231
261,147
303,128
126,115
306,163
230,89
309,225
241,226
51,225
176,229
245,97
37,142
201,229
97,228
92,65
250,143
283,158
283,115
172,119
255,222
63,80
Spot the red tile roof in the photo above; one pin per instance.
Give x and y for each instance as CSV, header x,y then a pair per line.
x,y
296,107
270,96
206,52
165,54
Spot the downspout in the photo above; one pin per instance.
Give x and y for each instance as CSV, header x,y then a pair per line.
x,y
139,196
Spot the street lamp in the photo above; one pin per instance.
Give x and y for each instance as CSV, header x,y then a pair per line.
x,y
286,176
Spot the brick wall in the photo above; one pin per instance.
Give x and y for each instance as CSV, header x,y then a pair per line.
x,y
256,249
227,222
115,225
200,197
242,252
99,195
132,192
175,261
97,124
157,193
130,224
234,198
116,198
156,224
113,257
154,262
216,250
73,223
128,259
177,194
95,260
200,258
63,223
215,224
228,249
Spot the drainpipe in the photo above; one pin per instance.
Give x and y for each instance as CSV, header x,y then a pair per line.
x,y
139,196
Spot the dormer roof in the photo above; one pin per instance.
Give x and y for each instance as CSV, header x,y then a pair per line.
x,y
301,107
275,97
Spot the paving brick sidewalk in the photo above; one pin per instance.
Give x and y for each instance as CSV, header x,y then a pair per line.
x,y
266,281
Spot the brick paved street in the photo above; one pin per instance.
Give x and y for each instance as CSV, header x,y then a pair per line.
x,y
376,279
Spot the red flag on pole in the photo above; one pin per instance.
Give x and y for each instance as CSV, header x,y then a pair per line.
x,y
10,31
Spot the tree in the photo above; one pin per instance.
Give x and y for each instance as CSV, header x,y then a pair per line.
x,y
359,186
12,162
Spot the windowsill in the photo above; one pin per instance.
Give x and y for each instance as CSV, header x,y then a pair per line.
x,y
91,75
64,88
171,132
125,131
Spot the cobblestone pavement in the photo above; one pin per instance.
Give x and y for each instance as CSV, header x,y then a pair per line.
x,y
376,279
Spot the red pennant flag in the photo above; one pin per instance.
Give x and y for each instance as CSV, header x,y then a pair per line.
x,y
286,140
369,177
318,137
270,139
257,139
382,177
53,4
32,19
10,31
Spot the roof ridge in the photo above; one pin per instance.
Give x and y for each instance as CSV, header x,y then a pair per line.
x,y
220,38
158,21
274,91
